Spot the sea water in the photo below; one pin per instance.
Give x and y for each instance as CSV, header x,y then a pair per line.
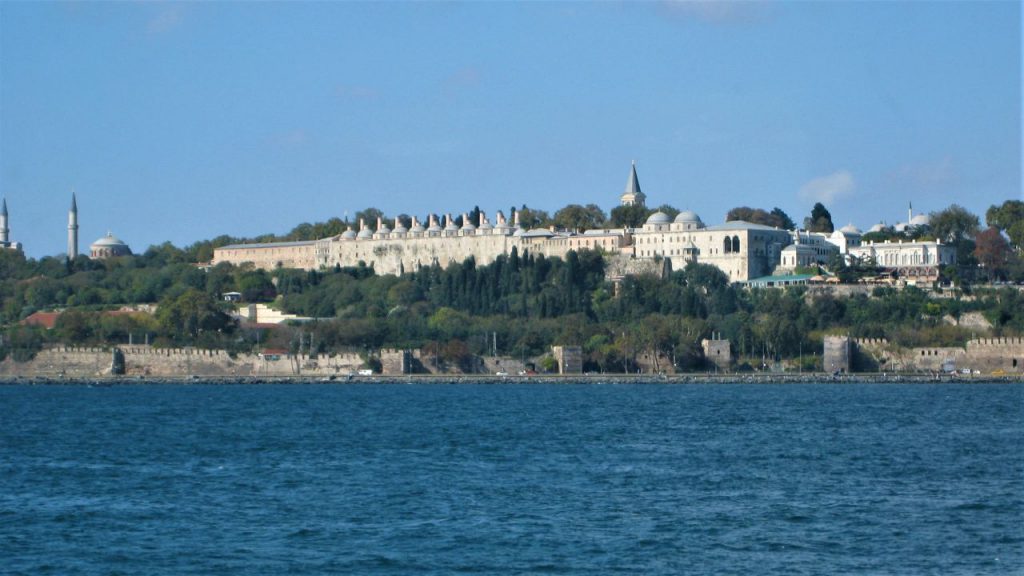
x,y
512,479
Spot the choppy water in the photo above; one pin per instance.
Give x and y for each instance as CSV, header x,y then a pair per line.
x,y
500,479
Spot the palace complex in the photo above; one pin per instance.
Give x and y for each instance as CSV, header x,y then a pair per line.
x,y
743,250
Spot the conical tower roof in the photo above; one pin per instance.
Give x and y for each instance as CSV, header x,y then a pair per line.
x,y
3,210
74,204
633,194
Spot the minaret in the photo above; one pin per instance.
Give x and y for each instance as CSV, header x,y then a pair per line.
x,y
5,232
910,212
73,229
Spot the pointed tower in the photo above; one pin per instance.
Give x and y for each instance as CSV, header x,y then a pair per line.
x,y
73,229
633,196
5,232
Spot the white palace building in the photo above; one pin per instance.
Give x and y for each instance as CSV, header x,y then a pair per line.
x,y
743,250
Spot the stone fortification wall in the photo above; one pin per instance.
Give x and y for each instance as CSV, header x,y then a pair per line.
x,y
506,364
395,362
717,352
836,355
985,355
996,354
55,362
569,358
147,361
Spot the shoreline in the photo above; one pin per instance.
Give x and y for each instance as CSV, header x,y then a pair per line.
x,y
596,379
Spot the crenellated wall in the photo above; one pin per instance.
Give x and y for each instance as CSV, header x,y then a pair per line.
x,y
169,362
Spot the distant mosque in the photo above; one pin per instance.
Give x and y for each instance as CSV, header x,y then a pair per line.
x,y
108,246
5,232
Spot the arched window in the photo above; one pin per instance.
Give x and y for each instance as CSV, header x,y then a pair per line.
x,y
735,243
727,245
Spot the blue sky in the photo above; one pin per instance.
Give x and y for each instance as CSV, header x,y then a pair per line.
x,y
184,121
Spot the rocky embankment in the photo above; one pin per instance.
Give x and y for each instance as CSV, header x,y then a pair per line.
x,y
597,379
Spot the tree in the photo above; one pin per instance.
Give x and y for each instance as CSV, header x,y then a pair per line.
x,y
783,219
530,218
256,286
1009,218
577,217
776,218
629,216
820,220
954,224
186,316
668,210
992,251
369,216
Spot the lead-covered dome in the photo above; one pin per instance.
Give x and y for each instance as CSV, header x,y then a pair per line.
x,y
658,217
687,217
109,246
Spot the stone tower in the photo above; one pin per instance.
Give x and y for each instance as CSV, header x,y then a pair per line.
x,y
73,229
633,196
5,232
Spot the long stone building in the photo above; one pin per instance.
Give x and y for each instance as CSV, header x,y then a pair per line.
x,y
742,250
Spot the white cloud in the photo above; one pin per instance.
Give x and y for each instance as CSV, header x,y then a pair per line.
x,y
828,189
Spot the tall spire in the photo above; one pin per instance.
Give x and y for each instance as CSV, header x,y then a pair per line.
x,y
3,211
633,194
74,204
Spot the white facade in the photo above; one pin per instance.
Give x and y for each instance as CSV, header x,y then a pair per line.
x,y
914,261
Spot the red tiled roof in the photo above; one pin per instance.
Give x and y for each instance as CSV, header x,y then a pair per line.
x,y
45,319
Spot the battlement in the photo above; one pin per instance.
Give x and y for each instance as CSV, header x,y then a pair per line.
x,y
995,342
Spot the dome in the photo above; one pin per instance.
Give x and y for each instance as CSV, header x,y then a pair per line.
x,y
519,232
109,246
349,234
486,226
850,229
417,229
658,218
400,229
921,220
687,217
365,233
109,241
880,227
